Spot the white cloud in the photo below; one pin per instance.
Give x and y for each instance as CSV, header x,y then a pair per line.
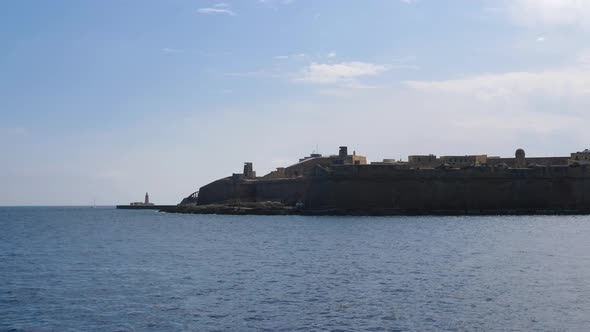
x,y
289,56
565,82
217,10
540,39
331,55
339,73
550,12
523,119
572,80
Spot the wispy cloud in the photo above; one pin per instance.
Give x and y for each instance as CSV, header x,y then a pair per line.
x,y
569,81
220,8
344,73
289,56
167,50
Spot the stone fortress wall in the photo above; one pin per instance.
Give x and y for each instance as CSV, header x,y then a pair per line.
x,y
347,182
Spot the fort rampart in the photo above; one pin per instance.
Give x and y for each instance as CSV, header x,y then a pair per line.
x,y
389,190
346,184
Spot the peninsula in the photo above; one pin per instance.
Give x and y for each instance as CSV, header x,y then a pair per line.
x,y
345,184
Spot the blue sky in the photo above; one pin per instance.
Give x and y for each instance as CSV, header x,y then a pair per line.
x,y
104,100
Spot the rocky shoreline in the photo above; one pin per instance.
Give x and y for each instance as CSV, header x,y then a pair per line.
x,y
262,208
276,208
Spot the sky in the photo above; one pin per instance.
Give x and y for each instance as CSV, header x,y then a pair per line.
x,y
101,101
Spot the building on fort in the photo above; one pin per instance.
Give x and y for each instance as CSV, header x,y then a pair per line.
x,y
580,158
464,161
391,162
423,161
309,164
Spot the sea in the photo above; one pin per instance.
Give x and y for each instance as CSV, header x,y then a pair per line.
x,y
102,269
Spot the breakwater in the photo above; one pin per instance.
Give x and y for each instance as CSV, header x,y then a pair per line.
x,y
144,207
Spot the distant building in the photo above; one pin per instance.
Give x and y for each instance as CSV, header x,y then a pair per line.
x,y
464,161
423,161
313,155
390,162
346,159
316,163
248,173
580,158
308,165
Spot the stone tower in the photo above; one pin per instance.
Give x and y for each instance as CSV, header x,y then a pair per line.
x,y
520,161
147,199
343,153
249,171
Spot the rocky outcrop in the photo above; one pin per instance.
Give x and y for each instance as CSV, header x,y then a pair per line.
x,y
253,208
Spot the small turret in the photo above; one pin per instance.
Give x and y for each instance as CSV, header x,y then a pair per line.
x,y
147,199
343,152
520,161
249,171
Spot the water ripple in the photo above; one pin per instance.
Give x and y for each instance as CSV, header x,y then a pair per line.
x,y
71,269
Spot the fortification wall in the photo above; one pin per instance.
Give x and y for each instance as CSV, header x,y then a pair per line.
x,y
474,189
307,165
227,190
386,189
287,191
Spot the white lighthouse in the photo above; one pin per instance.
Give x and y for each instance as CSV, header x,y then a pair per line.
x,y
146,201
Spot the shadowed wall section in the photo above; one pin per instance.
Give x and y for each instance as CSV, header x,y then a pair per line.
x,y
386,189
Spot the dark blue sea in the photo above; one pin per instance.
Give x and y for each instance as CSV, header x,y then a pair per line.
x,y
101,269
